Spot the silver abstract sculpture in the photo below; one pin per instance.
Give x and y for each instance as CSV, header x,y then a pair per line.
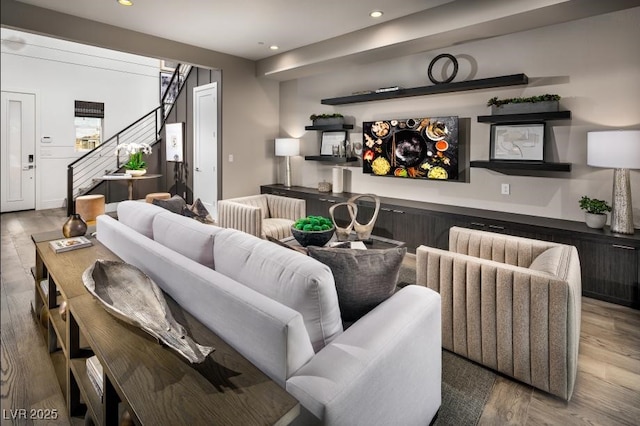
x,y
363,231
342,234
130,295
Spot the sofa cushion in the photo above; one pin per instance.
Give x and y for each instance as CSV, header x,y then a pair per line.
x,y
289,277
138,216
364,278
186,236
552,261
174,204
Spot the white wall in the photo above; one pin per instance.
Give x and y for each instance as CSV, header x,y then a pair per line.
x,y
60,72
594,64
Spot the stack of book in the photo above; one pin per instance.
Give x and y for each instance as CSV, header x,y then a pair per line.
x,y
94,371
67,244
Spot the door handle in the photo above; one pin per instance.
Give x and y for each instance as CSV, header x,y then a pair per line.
x,y
28,166
197,169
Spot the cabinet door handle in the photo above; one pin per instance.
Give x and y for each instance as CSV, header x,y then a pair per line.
x,y
384,209
322,199
332,201
623,247
397,211
501,228
478,224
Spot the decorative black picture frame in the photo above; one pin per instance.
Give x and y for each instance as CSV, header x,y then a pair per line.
x,y
517,142
331,139
165,80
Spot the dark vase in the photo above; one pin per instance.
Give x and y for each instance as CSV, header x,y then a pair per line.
x,y
74,226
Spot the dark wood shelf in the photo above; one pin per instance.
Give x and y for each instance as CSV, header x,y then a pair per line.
x,y
330,127
525,117
483,83
331,159
522,165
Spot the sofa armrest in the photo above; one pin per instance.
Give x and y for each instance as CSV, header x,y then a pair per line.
x,y
286,207
242,217
521,322
386,366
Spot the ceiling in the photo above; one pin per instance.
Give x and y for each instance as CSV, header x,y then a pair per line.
x,y
244,28
313,36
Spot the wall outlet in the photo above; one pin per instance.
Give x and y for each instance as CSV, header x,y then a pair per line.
x,y
231,158
505,189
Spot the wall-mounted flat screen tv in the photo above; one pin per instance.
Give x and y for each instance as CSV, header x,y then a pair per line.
x,y
419,148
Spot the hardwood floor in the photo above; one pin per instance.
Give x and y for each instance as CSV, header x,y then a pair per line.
x,y
607,390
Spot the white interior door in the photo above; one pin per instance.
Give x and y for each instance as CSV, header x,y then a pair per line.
x,y
17,183
205,146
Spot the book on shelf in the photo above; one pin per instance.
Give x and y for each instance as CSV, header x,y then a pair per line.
x,y
94,371
67,244
388,89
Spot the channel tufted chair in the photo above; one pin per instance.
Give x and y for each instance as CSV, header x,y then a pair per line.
x,y
512,304
264,215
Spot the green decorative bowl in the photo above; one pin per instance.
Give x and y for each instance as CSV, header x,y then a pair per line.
x,y
312,238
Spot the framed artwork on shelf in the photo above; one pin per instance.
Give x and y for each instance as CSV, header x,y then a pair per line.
x,y
332,142
517,142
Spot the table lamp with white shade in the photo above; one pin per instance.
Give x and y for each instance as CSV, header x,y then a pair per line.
x,y
287,147
618,150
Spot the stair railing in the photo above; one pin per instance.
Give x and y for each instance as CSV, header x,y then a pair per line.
x,y
85,173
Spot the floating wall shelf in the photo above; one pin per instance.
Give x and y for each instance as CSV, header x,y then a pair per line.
x,y
331,159
330,127
504,165
525,117
483,83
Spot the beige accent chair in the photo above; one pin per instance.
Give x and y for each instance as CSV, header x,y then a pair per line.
x,y
512,304
264,215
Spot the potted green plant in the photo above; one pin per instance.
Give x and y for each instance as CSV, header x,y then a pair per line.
x,y
327,119
135,165
542,103
313,230
595,211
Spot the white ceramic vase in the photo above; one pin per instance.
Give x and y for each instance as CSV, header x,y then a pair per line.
x,y
136,173
596,221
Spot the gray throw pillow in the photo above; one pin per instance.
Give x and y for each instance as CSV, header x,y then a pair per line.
x,y
197,211
364,278
174,204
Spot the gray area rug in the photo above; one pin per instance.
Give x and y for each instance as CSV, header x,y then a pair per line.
x,y
466,386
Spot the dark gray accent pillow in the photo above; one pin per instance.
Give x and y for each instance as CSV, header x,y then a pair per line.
x,y
174,204
364,278
197,211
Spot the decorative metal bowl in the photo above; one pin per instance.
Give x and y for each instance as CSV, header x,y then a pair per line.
x,y
312,238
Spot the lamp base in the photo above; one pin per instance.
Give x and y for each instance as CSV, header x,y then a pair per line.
x,y
287,177
622,213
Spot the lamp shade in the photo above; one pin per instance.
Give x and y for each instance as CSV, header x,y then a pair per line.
x,y
287,147
614,149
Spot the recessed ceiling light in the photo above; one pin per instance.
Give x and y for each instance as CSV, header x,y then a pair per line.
x,y
125,2
376,14
274,47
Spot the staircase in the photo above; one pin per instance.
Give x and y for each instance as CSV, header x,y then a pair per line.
x,y
84,174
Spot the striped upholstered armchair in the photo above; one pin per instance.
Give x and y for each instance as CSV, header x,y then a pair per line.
x,y
264,215
512,304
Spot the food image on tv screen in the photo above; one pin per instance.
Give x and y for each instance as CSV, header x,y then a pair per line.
x,y
422,148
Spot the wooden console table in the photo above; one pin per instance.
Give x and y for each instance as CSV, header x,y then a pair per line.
x,y
130,180
155,384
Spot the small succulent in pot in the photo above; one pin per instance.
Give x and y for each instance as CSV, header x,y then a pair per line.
x,y
313,230
596,211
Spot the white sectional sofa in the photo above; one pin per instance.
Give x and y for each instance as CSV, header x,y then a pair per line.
x,y
279,308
